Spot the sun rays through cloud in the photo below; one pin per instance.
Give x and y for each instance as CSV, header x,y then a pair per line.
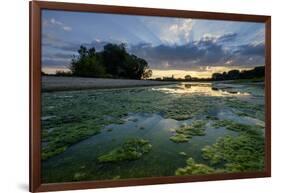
x,y
169,45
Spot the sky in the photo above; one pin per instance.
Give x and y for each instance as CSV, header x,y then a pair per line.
x,y
171,46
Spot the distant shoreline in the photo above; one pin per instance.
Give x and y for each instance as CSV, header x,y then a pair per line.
x,y
63,83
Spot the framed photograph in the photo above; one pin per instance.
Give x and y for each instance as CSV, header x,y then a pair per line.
x,y
124,96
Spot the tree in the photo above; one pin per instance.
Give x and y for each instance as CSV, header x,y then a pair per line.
x,y
233,74
87,64
257,72
187,77
147,74
113,61
217,76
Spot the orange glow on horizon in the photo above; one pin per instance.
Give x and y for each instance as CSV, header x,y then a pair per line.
x,y
201,73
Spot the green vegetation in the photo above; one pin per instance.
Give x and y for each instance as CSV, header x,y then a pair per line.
x,y
193,168
59,139
113,62
244,108
79,176
182,153
180,138
231,125
185,132
131,150
92,111
242,153
229,154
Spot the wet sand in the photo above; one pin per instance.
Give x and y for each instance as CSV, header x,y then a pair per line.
x,y
58,83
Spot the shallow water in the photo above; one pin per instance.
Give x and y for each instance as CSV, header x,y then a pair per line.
x,y
149,121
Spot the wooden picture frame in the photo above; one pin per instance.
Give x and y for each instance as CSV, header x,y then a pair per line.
x,y
35,93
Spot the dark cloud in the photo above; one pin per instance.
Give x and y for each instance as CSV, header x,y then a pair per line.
x,y
251,49
203,52
207,51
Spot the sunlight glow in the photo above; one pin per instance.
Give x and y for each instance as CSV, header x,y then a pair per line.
x,y
202,72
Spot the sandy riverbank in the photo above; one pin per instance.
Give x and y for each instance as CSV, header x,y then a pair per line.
x,y
57,83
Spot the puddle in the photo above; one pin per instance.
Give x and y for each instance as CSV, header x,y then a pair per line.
x,y
152,127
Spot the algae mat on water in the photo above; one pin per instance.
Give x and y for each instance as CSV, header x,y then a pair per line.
x,y
139,132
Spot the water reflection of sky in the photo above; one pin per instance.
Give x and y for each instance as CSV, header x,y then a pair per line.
x,y
206,89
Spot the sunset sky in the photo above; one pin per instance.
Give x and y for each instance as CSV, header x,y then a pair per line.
x,y
171,46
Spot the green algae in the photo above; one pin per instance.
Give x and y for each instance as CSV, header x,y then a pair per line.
x,y
193,168
132,149
182,153
79,176
238,127
242,153
58,141
185,132
231,125
245,108
180,138
92,111
116,177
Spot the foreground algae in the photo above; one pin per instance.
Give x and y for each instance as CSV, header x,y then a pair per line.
x,y
241,153
131,149
238,154
185,132
72,116
193,168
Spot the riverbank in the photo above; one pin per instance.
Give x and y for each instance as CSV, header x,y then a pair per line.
x,y
59,83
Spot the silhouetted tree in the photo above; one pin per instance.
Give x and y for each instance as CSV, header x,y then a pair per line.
x,y
87,64
147,74
113,61
233,74
187,77
257,72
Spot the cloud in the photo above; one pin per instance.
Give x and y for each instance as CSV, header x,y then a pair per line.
x,y
228,37
251,49
51,41
192,54
179,32
208,51
55,23
57,52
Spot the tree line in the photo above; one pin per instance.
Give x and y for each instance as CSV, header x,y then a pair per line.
x,y
112,62
257,72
